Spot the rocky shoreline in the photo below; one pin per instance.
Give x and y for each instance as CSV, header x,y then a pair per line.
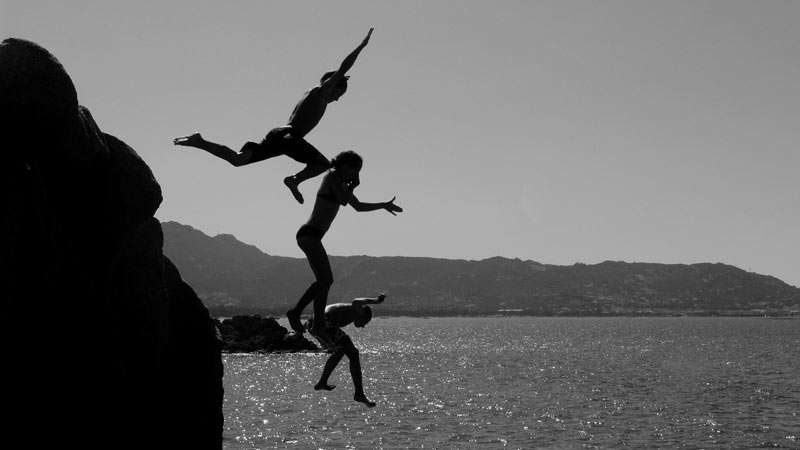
x,y
254,334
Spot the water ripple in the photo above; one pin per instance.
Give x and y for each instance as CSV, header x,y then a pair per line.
x,y
530,382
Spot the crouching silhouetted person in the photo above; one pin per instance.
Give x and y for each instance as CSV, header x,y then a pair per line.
x,y
339,315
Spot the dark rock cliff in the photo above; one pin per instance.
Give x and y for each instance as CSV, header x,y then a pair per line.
x,y
105,346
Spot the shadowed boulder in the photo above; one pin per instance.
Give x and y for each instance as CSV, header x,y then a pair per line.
x,y
257,334
105,345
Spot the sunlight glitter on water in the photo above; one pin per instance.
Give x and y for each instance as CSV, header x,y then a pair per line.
x,y
529,382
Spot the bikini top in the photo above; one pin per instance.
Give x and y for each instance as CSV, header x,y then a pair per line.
x,y
326,192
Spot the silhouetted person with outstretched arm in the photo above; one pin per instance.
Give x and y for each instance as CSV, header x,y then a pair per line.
x,y
335,190
290,140
337,316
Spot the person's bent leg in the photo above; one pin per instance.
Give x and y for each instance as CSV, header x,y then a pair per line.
x,y
355,372
321,299
300,150
320,265
293,181
330,364
294,313
311,170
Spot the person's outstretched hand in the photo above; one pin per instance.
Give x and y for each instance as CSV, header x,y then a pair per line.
x,y
381,298
391,207
366,39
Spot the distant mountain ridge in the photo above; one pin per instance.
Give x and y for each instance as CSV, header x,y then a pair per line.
x,y
231,276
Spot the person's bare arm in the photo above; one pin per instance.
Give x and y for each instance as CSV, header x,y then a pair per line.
x,y
364,207
369,300
347,63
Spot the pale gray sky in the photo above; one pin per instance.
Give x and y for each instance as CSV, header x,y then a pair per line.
x,y
557,131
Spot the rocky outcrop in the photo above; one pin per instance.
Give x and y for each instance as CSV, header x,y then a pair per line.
x,y
105,345
257,334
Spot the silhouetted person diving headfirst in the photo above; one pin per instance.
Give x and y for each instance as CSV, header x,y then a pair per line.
x,y
290,140
337,316
335,190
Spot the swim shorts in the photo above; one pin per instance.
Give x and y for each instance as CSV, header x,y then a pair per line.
x,y
336,335
281,141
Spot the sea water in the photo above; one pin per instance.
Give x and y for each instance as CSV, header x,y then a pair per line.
x,y
527,382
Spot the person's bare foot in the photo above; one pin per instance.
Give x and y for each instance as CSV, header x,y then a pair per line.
x,y
294,321
363,399
291,183
188,141
324,387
